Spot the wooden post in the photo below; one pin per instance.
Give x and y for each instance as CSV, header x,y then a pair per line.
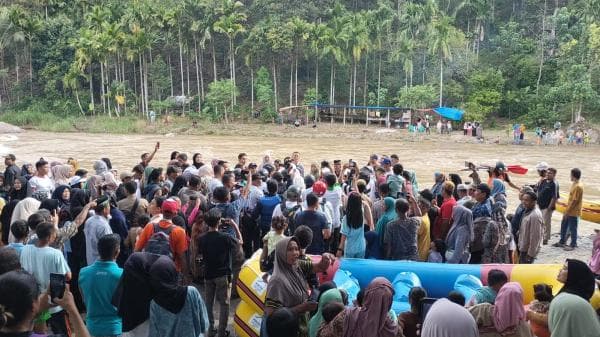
x,y
344,116
367,121
388,118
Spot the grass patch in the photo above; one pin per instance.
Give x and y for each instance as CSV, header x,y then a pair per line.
x,y
104,124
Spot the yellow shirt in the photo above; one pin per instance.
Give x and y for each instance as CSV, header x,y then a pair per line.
x,y
423,239
575,203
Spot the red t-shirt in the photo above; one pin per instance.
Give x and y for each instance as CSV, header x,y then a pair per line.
x,y
440,230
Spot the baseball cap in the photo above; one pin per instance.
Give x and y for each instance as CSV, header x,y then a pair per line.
x,y
292,192
386,161
462,187
500,166
170,206
319,188
374,157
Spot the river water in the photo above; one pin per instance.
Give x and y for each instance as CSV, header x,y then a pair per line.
x,y
445,154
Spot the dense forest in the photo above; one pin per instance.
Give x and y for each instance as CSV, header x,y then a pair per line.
x,y
534,61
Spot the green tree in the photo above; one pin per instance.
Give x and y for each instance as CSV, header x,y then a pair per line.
x,y
264,94
219,100
416,97
442,35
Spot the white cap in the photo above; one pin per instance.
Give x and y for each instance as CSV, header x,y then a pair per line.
x,y
542,166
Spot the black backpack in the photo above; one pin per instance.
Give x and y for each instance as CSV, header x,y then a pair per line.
x,y
290,215
131,215
159,243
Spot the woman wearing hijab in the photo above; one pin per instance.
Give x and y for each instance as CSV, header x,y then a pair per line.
x,y
370,319
448,319
497,235
288,287
22,211
134,294
389,214
570,312
460,235
153,185
179,183
331,295
19,189
175,310
61,174
436,189
63,195
5,216
107,179
506,317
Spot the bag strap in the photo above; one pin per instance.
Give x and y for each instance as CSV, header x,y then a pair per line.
x,y
134,208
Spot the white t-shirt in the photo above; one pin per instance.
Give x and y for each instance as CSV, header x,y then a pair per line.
x,y
38,184
95,227
40,262
335,198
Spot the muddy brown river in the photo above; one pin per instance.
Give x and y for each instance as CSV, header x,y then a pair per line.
x,y
445,154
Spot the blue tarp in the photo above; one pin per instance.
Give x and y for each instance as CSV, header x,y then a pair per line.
x,y
450,113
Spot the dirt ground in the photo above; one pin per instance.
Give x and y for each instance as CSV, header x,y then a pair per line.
x,y
425,154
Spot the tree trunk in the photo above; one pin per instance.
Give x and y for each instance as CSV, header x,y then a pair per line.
x,y
537,85
350,85
251,91
30,70
92,89
102,93
76,97
365,89
170,74
214,60
146,86
316,89
275,86
441,78
181,60
379,80
197,72
296,81
292,83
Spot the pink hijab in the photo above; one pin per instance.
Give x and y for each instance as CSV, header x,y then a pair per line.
x,y
508,309
372,319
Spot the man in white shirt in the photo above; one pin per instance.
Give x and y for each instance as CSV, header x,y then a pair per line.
x,y
334,195
96,227
40,183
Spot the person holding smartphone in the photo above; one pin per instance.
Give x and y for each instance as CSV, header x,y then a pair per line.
x,y
41,260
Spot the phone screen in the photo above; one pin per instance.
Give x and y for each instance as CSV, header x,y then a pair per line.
x,y
57,285
426,304
314,295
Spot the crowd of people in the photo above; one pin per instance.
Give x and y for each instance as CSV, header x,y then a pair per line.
x,y
151,251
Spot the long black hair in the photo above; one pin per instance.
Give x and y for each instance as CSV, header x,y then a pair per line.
x,y
354,211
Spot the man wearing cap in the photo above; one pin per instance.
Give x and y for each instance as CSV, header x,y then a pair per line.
x,y
463,194
11,172
319,189
547,193
177,239
387,166
96,227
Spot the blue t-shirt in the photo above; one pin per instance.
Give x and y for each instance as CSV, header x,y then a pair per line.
x,y
18,246
355,241
317,222
98,283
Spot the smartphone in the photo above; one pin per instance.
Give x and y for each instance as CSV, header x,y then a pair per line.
x,y
314,295
425,305
57,285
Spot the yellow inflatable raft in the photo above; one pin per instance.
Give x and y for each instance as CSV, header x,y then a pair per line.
x,y
590,211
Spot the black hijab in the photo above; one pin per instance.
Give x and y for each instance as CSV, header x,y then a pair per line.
x,y
165,283
580,280
57,194
79,198
5,217
134,292
179,183
20,194
51,205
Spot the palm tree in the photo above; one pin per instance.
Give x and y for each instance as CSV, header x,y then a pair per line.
x,y
404,52
230,23
441,35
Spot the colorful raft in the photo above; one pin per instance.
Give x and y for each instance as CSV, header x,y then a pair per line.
x,y
590,211
353,274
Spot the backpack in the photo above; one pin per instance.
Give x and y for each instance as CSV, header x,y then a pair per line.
x,y
131,215
290,215
159,243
